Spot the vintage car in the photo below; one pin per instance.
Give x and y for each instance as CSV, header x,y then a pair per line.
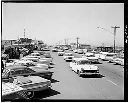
x,y
31,84
47,59
32,58
119,60
9,89
80,51
30,63
45,49
10,62
103,55
54,50
39,51
68,56
47,55
83,66
75,50
110,56
60,50
12,71
91,57
60,53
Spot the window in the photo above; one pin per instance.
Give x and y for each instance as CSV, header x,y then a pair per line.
x,y
84,62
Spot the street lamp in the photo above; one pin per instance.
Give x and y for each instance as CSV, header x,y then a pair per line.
x,y
115,27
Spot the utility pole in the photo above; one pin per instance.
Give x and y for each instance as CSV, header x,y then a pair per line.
x,y
115,27
24,33
77,41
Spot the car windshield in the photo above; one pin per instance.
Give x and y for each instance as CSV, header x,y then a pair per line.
x,y
82,62
90,55
68,54
110,55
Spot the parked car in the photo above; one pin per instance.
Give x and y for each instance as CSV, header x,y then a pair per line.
x,y
12,71
68,56
47,59
109,56
60,50
119,60
83,66
60,53
44,61
9,89
80,51
54,50
91,57
47,55
30,63
75,50
45,49
103,55
11,62
31,84
34,59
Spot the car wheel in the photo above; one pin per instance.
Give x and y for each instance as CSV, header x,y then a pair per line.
x,y
29,94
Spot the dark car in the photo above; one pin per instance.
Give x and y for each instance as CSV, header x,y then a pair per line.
x,y
13,71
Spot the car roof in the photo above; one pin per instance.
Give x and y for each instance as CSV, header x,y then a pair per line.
x,y
79,59
68,53
16,67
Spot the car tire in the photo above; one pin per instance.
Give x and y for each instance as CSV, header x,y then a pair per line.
x,y
27,94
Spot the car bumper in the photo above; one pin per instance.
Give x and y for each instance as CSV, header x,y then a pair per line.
x,y
68,59
89,73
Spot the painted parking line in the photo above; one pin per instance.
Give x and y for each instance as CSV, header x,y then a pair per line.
x,y
111,82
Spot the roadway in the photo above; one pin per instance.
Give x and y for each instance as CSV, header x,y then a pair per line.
x,y
69,86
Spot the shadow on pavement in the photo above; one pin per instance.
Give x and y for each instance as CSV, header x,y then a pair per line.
x,y
116,64
93,76
39,96
44,94
97,63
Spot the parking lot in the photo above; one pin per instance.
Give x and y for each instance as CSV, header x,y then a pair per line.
x,y
67,85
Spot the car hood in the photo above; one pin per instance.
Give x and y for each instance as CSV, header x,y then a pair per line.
x,y
88,67
89,57
29,80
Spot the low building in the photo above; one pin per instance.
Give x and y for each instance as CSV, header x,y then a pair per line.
x,y
105,49
84,46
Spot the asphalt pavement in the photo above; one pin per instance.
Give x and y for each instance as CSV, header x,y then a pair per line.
x,y
69,86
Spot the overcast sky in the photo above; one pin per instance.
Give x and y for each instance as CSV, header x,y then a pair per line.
x,y
54,22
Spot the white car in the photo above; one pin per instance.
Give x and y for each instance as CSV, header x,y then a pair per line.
x,y
29,63
33,58
109,56
91,57
10,62
119,60
10,88
80,51
83,67
68,56
60,53
30,84
103,55
75,50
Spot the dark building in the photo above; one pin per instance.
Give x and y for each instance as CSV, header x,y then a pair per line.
x,y
105,49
